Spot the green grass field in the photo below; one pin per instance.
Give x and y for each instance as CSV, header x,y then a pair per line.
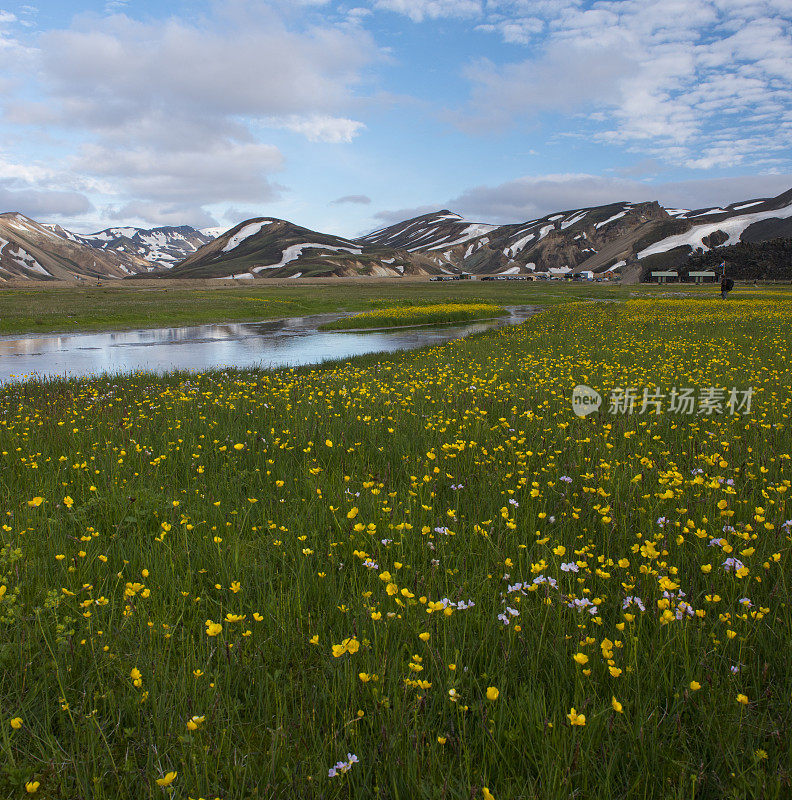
x,y
221,585
133,304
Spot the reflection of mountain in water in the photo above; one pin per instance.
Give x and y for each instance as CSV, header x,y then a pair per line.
x,y
275,343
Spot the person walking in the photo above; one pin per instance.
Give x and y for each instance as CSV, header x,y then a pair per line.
x,y
726,284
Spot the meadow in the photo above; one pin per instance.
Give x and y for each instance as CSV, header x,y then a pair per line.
x,y
45,307
407,576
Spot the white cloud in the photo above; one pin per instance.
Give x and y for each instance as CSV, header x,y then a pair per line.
x,y
37,203
693,72
13,54
566,78
24,173
320,128
165,182
36,189
420,10
359,199
142,213
166,110
259,70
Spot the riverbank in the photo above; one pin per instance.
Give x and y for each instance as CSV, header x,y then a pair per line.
x,y
290,342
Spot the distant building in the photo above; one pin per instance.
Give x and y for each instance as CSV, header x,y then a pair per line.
x,y
665,275
702,276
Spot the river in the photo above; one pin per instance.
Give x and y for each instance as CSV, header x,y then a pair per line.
x,y
276,343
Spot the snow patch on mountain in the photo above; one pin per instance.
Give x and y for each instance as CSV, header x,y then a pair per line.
x,y
512,251
707,213
293,252
733,227
610,219
473,231
26,261
213,232
572,220
245,233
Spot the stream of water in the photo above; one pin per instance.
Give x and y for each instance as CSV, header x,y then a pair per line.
x,y
275,343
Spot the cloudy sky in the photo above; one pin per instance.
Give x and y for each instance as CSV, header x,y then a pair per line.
x,y
343,116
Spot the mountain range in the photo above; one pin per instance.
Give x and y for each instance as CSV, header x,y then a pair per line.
x,y
629,239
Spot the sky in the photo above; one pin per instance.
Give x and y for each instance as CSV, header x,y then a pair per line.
x,y
344,117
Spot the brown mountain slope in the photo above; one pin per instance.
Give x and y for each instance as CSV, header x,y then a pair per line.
x,y
31,251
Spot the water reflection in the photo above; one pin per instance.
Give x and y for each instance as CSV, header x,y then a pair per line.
x,y
274,343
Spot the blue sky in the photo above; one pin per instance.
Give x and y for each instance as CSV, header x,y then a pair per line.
x,y
343,117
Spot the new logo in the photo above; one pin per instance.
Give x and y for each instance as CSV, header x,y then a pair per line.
x,y
585,400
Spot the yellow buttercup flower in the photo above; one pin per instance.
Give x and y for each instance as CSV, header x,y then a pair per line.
x,y
350,645
167,779
575,718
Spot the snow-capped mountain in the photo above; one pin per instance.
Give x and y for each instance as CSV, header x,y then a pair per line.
x,y
630,239
32,251
558,241
625,237
267,247
161,247
710,228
